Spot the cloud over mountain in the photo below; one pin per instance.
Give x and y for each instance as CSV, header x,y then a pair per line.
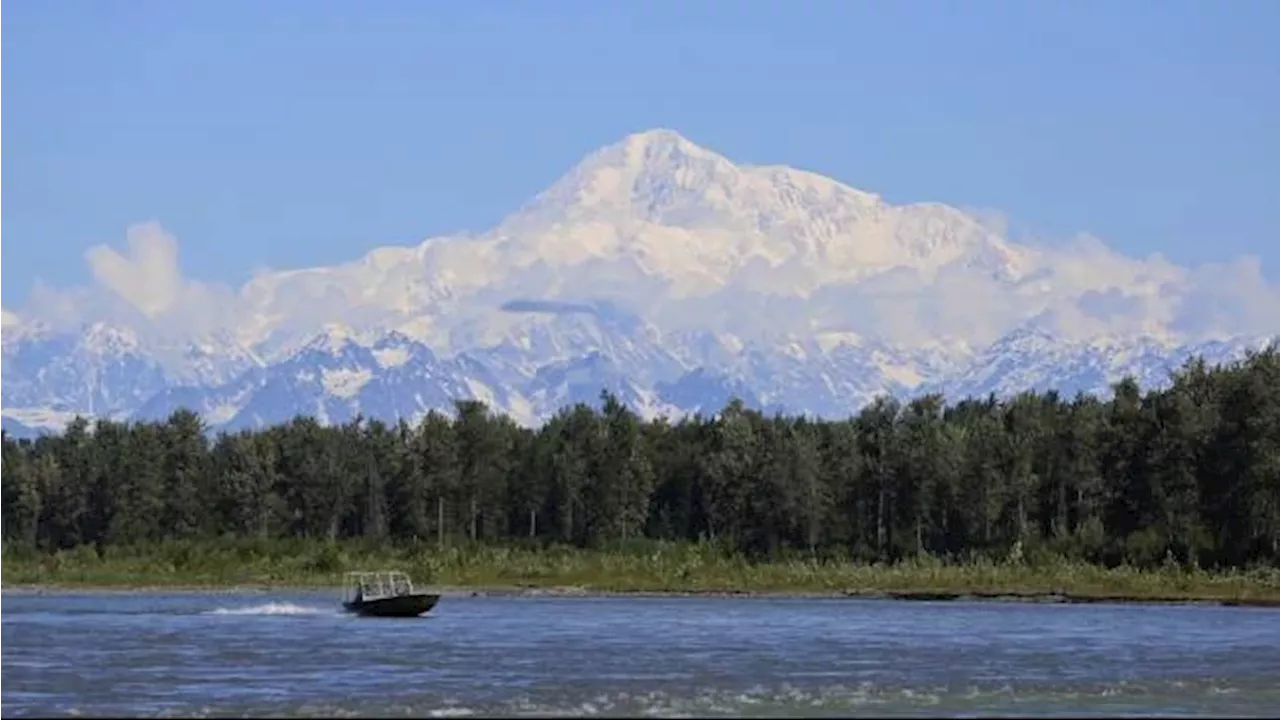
x,y
148,277
685,238
662,257
143,289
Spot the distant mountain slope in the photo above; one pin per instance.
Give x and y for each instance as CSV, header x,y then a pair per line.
x,y
15,429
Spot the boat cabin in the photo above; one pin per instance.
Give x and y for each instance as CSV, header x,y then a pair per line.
x,y
359,587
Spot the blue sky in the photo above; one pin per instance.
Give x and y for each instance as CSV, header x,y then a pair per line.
x,y
292,133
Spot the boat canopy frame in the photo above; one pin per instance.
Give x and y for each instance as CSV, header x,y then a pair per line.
x,y
375,585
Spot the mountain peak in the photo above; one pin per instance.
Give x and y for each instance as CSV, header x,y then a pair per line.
x,y
659,152
333,338
661,216
632,178
659,145
103,338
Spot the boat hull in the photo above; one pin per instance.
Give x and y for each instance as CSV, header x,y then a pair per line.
x,y
398,606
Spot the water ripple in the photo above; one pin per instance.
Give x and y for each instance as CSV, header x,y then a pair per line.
x,y
295,655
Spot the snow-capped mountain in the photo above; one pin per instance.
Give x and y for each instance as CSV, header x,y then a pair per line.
x,y
656,269
1031,359
103,371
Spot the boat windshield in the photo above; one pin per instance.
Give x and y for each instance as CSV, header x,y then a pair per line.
x,y
364,586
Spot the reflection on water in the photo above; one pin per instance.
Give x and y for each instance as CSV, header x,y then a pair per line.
x,y
296,655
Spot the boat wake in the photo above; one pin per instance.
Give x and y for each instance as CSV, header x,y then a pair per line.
x,y
284,608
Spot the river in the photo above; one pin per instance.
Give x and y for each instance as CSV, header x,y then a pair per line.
x,y
293,654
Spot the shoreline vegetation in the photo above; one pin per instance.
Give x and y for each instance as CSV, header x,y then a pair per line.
x,y
1171,494
658,570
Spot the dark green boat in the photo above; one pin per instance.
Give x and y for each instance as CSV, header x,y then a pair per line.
x,y
384,594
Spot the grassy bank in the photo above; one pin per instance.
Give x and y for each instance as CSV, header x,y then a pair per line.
x,y
646,567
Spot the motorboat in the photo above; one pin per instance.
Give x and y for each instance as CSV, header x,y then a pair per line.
x,y
385,593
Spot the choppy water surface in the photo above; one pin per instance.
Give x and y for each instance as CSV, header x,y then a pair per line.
x,y
294,654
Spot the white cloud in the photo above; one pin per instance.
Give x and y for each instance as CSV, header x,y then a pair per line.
x,y
61,308
142,288
1220,299
148,277
1079,289
832,259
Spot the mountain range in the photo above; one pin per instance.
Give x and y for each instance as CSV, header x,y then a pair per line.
x,y
654,268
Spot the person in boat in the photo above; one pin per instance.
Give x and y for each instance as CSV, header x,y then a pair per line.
x,y
359,593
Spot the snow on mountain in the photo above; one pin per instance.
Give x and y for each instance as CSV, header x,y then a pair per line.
x,y
658,227
581,380
217,404
698,221
657,269
102,371
529,334
335,379
1031,359
207,360
705,392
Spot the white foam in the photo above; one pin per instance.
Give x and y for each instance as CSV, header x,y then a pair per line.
x,y
272,609
451,712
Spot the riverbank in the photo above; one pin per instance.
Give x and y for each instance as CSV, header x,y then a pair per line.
x,y
660,570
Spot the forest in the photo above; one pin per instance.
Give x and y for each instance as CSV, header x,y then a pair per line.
x,y
1189,473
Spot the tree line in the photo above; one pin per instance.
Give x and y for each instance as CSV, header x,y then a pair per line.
x,y
1190,473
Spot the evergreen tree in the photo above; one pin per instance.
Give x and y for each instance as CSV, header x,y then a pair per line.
x,y
1189,471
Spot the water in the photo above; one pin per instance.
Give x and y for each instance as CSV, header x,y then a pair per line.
x,y
294,655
